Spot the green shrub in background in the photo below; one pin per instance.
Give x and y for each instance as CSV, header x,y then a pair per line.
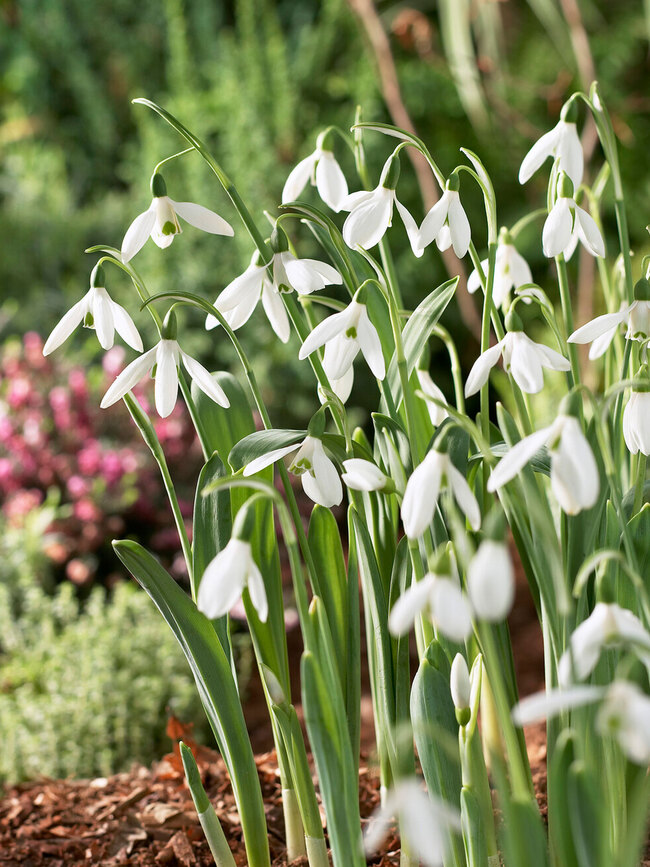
x,y
83,691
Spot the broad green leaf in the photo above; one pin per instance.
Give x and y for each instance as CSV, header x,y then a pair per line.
x,y
337,772
561,819
474,835
587,820
216,687
639,528
523,835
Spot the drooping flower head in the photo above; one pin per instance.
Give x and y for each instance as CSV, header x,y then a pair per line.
x,y
166,357
302,275
96,310
636,421
511,271
447,221
160,221
371,212
635,315
522,358
567,222
320,169
563,144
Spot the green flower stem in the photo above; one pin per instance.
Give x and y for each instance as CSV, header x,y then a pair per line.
x,y
639,483
494,313
146,428
624,240
520,776
456,373
488,307
567,315
389,269
424,633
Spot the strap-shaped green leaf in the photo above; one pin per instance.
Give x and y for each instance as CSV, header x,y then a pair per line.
x,y
216,687
260,443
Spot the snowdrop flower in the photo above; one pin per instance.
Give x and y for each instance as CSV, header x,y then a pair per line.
x,y
566,220
635,315
522,357
342,387
371,212
563,144
322,170
363,475
574,474
160,221
511,271
423,489
491,581
303,275
625,715
636,422
320,479
343,335
96,310
425,821
240,297
447,213
443,600
608,625
224,580
437,414
460,686
166,356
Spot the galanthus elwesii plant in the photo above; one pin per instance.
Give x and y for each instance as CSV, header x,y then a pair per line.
x,y
442,500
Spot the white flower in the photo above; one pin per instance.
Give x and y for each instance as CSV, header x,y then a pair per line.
x,y
342,387
511,272
522,357
444,601
371,212
459,683
608,625
574,473
636,422
636,315
447,212
491,582
363,475
625,715
423,489
323,171
425,821
239,299
344,334
224,580
319,477
563,144
96,310
437,414
564,222
160,221
303,275
166,356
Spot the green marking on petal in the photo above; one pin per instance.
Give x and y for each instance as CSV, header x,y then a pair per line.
x,y
351,333
169,228
89,320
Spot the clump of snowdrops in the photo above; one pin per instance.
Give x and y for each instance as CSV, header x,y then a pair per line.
x,y
434,498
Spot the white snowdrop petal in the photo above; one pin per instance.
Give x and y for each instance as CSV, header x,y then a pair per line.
x,y
370,344
517,458
257,590
411,227
322,484
434,220
361,475
589,233
540,151
574,472
491,582
66,325
325,331
223,580
599,326
411,603
569,152
258,464
461,233
203,218
525,364
130,376
557,228
421,496
205,381
480,372
166,386
450,610
298,178
367,223
542,705
102,317
247,285
474,281
137,233
276,312
339,356
330,181
329,275
552,359
125,327
459,683
464,496
353,200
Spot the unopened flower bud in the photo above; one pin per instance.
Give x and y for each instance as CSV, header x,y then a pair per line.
x,y
460,689
363,475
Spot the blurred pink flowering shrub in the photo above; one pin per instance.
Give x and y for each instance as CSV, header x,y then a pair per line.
x,y
55,441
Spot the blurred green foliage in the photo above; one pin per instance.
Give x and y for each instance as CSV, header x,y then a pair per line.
x,y
84,690
257,79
